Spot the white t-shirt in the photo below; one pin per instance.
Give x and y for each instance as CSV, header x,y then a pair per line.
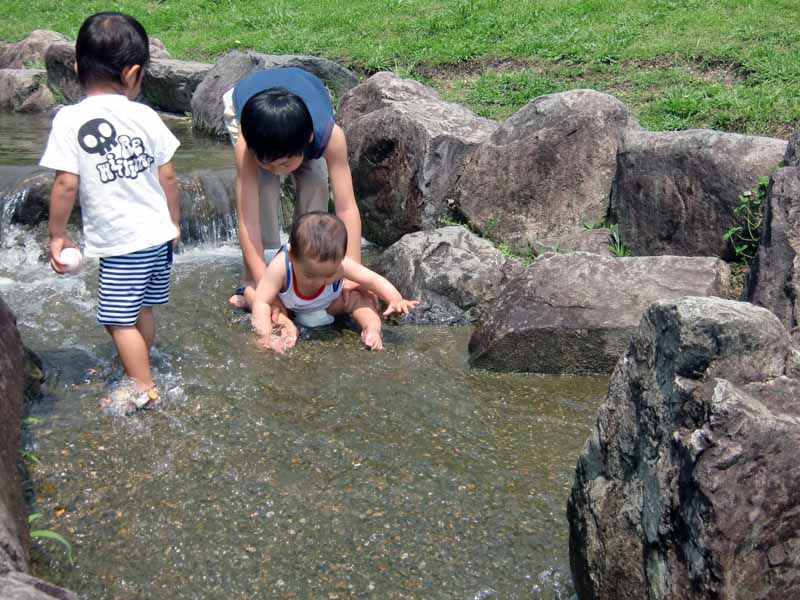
x,y
115,146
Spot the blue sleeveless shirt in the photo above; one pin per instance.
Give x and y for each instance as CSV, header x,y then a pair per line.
x,y
302,83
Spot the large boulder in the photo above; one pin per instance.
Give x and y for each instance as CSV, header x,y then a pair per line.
x,y
451,271
407,149
574,313
689,486
29,52
169,84
675,192
25,90
547,170
207,101
774,278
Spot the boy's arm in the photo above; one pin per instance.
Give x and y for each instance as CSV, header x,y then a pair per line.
x,y
248,210
266,292
62,199
344,198
381,286
169,183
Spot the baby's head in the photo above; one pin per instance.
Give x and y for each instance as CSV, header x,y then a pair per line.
x,y
112,51
318,244
277,127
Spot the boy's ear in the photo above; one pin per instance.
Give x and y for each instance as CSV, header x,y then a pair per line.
x,y
311,139
131,75
75,67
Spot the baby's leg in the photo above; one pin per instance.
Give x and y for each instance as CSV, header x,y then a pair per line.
x,y
364,313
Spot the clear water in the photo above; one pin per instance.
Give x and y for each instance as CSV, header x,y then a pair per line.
x,y
330,472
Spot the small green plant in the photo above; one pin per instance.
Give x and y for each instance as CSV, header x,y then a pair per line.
x,y
615,244
599,225
49,535
749,214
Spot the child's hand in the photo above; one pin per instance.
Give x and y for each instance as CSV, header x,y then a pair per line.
x,y
57,244
400,306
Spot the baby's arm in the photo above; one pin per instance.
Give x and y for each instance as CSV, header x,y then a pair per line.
x,y
381,286
62,199
266,292
169,183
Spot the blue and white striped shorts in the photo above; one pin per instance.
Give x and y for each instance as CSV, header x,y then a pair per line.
x,y
131,281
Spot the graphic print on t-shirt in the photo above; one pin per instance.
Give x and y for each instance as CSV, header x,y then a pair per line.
x,y
122,155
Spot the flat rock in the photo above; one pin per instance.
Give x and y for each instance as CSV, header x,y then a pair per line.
x,y
575,313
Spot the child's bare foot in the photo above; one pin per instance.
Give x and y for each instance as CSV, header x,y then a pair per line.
x,y
123,401
237,301
372,338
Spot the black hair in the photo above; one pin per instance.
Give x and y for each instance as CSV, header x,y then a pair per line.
x,y
276,124
107,43
319,236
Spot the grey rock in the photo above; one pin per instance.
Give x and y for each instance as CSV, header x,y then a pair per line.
x,y
19,586
575,313
207,101
774,278
407,149
595,241
547,170
451,271
14,539
25,90
30,51
158,49
169,84
688,486
60,61
675,192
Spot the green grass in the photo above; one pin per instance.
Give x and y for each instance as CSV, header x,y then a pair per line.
x,y
728,64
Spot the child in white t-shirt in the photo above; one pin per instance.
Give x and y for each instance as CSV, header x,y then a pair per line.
x,y
117,153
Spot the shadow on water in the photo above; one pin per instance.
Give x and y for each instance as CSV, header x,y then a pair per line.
x,y
328,472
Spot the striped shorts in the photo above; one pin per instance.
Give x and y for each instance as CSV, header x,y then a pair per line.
x,y
131,281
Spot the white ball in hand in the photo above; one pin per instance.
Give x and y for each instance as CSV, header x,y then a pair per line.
x,y
71,259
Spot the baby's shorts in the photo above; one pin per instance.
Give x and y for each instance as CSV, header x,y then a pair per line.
x,y
131,281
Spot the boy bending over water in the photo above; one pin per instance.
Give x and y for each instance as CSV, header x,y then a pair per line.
x,y
118,154
308,278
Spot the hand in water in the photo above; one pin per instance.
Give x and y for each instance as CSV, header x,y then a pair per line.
x,y
283,336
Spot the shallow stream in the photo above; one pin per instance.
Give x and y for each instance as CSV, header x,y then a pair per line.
x,y
330,472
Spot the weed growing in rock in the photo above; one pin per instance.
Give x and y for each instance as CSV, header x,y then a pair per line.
x,y
49,535
749,214
615,244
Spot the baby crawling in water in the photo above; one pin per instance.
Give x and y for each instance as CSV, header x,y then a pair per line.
x,y
308,278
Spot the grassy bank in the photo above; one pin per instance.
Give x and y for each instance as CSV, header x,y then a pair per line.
x,y
732,65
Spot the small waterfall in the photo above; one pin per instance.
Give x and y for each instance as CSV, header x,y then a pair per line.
x,y
208,202
20,195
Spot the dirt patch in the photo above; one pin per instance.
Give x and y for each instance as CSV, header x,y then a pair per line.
x,y
473,68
